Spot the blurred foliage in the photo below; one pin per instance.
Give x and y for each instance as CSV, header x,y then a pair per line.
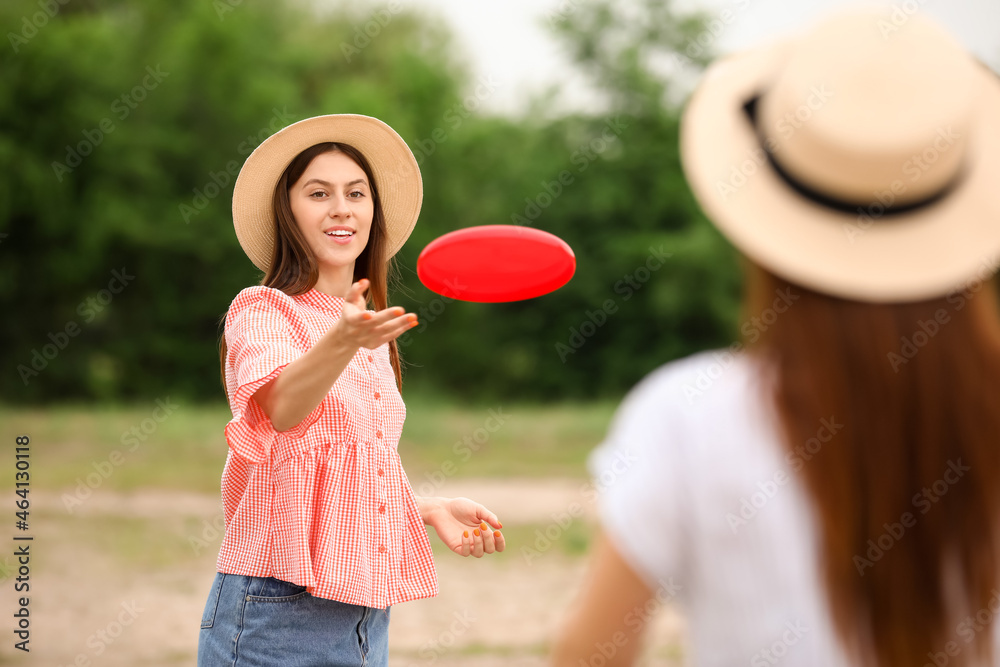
x,y
124,124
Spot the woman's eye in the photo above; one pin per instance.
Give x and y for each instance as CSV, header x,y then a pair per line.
x,y
318,192
359,193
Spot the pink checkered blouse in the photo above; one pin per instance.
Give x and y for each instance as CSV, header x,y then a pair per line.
x,y
326,504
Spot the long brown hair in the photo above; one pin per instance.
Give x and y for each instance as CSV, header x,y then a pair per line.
x,y
294,269
910,483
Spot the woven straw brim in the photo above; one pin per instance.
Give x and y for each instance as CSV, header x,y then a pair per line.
x,y
913,256
395,170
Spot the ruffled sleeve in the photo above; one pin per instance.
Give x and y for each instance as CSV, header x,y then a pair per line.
x,y
261,340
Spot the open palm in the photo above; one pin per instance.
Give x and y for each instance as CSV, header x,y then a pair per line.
x,y
371,330
464,526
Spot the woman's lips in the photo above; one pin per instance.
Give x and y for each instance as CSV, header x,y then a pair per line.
x,y
342,240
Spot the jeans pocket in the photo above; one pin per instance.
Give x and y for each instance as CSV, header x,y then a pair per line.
x,y
208,616
271,589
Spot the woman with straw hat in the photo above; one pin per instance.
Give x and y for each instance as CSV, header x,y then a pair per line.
x,y
323,531
827,490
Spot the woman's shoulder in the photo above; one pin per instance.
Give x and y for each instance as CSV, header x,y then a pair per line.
x,y
697,414
703,395
257,293
696,378
263,299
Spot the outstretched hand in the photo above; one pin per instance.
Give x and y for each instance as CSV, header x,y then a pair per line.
x,y
362,328
467,528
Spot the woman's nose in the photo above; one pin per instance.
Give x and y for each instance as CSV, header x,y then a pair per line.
x,y
339,207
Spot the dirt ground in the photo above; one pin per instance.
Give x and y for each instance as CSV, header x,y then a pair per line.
x,y
121,581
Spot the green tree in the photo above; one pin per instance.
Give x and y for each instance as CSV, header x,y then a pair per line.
x,y
611,185
123,126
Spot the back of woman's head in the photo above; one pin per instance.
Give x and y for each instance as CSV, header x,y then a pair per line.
x,y
907,491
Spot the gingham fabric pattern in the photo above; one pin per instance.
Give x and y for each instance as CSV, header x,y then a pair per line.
x,y
325,505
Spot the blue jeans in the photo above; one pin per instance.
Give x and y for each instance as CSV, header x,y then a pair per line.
x,y
267,622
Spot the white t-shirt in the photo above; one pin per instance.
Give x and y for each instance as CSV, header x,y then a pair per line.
x,y
702,501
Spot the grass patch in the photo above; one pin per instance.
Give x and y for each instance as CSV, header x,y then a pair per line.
x,y
526,542
512,652
476,649
132,544
123,448
503,440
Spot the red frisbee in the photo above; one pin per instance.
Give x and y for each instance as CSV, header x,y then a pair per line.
x,y
494,263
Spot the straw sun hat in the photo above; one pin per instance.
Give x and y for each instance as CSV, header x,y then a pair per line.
x,y
395,170
860,159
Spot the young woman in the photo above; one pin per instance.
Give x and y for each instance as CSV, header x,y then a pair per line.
x,y
323,531
827,492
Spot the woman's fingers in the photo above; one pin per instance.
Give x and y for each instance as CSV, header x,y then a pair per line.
x,y
356,294
388,323
489,517
392,328
367,329
390,318
466,544
477,543
384,321
389,331
489,546
401,324
379,318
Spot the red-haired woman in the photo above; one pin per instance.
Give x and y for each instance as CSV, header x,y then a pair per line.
x,y
826,492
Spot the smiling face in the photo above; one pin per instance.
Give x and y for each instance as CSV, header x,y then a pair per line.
x,y
333,207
